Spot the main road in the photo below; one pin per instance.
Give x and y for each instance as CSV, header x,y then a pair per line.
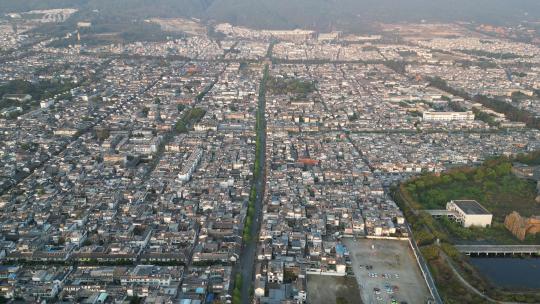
x,y
246,264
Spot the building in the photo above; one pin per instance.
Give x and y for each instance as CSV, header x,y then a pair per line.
x,y
292,35
469,213
332,36
275,271
190,165
526,172
448,116
10,111
18,97
150,275
84,24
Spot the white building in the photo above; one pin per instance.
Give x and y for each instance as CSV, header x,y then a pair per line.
x,y
275,272
448,116
470,213
190,165
260,287
292,35
46,103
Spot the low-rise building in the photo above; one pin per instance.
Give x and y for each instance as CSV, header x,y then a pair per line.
x,y
470,213
448,116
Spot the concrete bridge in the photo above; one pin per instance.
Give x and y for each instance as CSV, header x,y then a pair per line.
x,y
499,249
438,213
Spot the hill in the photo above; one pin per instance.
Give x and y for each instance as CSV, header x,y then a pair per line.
x,y
317,14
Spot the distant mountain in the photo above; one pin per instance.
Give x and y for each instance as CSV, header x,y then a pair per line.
x,y
151,8
324,13
7,6
317,14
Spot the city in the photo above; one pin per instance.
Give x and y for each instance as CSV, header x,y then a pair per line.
x,y
238,165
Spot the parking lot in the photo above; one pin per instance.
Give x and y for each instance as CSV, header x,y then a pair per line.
x,y
387,272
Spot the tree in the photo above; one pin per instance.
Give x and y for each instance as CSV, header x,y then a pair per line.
x,y
435,198
430,252
341,300
135,300
145,111
446,179
479,175
40,191
459,176
138,230
102,133
503,169
61,240
450,250
424,238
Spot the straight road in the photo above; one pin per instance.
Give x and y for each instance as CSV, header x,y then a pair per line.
x,y
246,264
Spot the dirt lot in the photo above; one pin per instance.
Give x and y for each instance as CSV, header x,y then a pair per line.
x,y
391,272
326,289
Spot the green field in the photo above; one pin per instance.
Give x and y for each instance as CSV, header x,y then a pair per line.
x,y
499,194
492,185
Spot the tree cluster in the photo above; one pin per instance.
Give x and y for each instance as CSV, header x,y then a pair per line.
x,y
189,118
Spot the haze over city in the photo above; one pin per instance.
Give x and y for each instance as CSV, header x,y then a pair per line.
x,y
269,152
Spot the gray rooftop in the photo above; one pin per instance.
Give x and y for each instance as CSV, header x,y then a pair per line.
x,y
471,207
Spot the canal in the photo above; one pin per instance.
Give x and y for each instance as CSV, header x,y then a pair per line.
x,y
511,273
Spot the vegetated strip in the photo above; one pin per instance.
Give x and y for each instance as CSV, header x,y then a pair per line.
x,y
240,294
